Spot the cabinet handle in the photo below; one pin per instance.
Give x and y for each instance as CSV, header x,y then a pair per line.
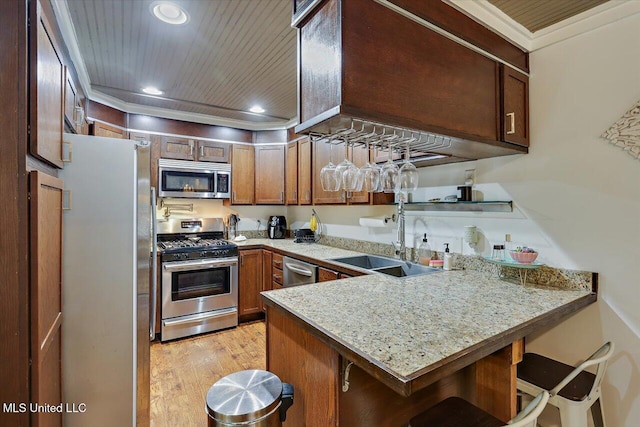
x,y
202,151
295,195
308,195
282,196
70,158
68,206
191,147
512,118
234,196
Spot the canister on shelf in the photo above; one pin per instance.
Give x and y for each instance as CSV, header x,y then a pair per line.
x,y
498,253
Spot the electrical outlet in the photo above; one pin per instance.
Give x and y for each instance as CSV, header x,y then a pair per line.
x,y
470,177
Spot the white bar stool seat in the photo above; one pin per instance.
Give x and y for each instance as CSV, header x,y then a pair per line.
x,y
573,391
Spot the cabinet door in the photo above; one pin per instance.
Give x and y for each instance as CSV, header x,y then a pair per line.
x,y
250,282
304,172
270,175
70,100
325,275
47,107
515,106
103,129
360,156
267,268
321,154
291,174
46,294
177,148
242,174
211,151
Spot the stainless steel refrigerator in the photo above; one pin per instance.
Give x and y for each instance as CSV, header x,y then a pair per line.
x,y
106,260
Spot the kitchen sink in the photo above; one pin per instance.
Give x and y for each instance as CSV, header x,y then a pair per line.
x,y
407,270
368,262
389,266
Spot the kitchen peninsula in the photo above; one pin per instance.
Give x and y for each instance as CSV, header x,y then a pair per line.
x,y
375,350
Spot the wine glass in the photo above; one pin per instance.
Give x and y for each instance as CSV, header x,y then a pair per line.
x,y
389,174
328,174
370,174
408,175
350,173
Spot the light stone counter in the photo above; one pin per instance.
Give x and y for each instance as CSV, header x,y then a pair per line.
x,y
407,327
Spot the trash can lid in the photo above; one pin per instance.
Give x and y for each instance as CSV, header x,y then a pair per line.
x,y
244,396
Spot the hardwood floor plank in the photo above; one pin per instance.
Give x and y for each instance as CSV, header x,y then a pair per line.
x,y
183,371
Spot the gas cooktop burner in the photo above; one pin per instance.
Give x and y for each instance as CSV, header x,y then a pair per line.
x,y
194,244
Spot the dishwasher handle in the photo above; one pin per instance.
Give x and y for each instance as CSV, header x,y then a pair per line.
x,y
299,270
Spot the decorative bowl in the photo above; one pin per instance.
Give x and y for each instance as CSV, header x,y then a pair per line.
x,y
523,257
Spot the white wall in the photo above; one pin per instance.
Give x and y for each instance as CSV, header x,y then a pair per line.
x,y
577,200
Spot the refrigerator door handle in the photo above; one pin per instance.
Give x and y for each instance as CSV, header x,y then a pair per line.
x,y
154,267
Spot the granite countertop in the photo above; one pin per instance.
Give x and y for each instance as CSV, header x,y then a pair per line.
x,y
404,328
313,251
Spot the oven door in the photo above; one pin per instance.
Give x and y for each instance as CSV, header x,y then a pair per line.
x,y
190,287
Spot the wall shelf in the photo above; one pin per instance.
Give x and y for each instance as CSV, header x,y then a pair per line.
x,y
480,206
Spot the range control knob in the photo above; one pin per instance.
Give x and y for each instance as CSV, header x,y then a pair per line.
x,y
203,254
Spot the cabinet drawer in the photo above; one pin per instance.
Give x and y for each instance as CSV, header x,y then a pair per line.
x,y
277,276
277,261
325,275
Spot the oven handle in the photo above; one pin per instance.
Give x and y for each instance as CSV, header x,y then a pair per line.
x,y
200,264
200,317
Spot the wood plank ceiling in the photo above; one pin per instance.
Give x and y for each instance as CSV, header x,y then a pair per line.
x,y
231,54
535,15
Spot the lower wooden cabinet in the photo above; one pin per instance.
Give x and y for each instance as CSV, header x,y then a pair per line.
x,y
325,275
249,283
46,294
267,268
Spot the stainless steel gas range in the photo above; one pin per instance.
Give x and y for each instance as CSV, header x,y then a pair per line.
x,y
199,277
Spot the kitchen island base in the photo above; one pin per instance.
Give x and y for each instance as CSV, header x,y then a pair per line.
x,y
316,370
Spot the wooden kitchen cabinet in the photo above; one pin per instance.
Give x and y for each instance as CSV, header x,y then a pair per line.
x,y
269,174
249,283
359,156
47,92
442,87
514,106
189,149
46,294
267,269
276,271
325,275
107,130
291,174
242,174
73,112
304,172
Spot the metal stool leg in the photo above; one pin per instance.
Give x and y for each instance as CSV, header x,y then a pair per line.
x,y
597,413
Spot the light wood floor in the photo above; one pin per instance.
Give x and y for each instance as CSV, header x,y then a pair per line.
x,y
183,371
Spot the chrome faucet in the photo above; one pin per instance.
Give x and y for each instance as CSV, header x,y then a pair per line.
x,y
399,244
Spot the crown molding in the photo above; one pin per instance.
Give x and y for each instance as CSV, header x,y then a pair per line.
x,y
63,18
490,16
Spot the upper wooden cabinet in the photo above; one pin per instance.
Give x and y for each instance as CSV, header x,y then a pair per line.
x,y
402,74
190,149
47,91
73,111
291,174
514,106
104,129
322,153
304,172
242,174
270,174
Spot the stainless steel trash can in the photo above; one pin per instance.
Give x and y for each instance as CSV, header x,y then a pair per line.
x,y
252,398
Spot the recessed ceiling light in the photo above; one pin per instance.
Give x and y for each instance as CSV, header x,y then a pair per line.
x,y
256,109
169,12
152,90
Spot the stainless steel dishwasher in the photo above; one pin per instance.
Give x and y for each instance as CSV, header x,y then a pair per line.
x,y
297,272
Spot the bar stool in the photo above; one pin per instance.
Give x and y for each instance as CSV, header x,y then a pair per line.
x,y
457,412
572,390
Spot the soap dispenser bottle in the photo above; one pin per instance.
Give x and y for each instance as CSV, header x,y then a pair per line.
x,y
448,258
424,251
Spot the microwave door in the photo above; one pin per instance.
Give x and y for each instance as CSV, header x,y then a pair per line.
x,y
223,184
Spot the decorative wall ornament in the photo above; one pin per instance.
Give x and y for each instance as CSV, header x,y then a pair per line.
x,y
625,133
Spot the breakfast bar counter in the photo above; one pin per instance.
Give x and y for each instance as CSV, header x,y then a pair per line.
x,y
376,350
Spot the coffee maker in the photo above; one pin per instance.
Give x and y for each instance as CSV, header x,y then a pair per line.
x,y
277,227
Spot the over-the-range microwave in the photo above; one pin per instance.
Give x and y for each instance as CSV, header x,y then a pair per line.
x,y
201,180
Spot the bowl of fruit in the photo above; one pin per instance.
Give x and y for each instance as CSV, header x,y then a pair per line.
x,y
523,255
